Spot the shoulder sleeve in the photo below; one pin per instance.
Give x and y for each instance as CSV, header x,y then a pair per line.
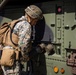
x,y
23,30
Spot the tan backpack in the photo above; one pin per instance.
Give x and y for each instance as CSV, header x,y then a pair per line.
x,y
6,35
7,38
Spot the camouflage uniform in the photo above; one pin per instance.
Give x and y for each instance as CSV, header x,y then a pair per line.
x,y
23,30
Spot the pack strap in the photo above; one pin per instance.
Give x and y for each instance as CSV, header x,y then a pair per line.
x,y
12,32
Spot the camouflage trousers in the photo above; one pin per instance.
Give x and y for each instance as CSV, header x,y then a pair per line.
x,y
14,70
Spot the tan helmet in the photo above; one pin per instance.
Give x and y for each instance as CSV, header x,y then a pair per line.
x,y
34,12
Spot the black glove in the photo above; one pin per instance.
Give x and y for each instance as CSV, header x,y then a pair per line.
x,y
38,49
35,51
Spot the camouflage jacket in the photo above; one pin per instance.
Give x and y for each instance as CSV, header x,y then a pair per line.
x,y
23,30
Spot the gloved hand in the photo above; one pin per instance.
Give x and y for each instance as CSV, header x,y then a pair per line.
x,y
40,48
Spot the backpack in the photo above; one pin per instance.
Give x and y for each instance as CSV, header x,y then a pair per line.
x,y
7,37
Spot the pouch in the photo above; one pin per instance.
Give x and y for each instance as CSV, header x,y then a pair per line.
x,y
8,57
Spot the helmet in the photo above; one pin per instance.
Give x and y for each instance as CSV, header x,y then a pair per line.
x,y
34,12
